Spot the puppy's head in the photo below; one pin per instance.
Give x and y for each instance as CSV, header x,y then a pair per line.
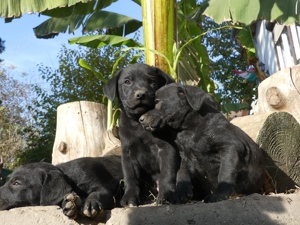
x,y
173,103
34,184
135,87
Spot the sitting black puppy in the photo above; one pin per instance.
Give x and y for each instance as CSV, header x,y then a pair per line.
x,y
145,159
89,185
221,156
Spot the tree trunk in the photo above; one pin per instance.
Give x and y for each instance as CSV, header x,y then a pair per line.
x,y
159,25
81,131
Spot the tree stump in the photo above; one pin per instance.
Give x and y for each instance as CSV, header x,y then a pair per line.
x,y
279,137
81,132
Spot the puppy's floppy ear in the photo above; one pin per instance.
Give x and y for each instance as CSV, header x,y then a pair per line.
x,y
165,78
110,89
54,187
194,95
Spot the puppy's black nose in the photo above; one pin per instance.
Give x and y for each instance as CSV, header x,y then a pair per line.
x,y
140,95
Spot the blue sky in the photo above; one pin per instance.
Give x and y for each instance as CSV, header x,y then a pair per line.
x,y
24,51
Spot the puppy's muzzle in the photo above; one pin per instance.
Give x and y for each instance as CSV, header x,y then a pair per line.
x,y
150,123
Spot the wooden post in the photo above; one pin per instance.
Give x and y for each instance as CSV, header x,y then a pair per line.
x,y
81,131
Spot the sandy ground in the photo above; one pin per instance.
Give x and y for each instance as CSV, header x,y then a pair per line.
x,y
253,209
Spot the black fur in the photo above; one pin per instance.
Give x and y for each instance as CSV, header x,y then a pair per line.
x,y
145,158
95,180
220,156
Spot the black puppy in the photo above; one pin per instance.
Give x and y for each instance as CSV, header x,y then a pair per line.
x,y
222,156
143,155
95,180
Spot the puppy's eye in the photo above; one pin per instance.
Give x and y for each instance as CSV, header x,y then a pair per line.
x,y
152,81
16,183
156,101
127,82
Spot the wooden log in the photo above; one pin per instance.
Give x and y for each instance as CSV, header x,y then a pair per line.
x,y
279,138
278,135
280,92
81,131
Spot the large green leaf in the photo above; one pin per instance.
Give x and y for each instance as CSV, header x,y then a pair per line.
x,y
114,23
16,8
245,11
80,8
54,26
101,40
110,20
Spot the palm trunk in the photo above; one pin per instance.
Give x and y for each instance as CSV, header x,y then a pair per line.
x,y
159,24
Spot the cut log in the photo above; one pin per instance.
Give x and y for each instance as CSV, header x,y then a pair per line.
x,y
280,92
279,137
81,132
278,134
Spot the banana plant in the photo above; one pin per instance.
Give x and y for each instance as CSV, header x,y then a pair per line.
x,y
247,12
243,11
90,17
17,8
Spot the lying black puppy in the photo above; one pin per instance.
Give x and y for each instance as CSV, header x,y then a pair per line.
x,y
95,180
225,159
143,155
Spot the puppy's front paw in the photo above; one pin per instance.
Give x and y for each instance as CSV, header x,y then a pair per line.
x,y
129,200
166,197
184,192
92,207
215,198
70,205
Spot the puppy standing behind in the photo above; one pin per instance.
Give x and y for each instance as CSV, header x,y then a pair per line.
x,y
221,156
143,155
95,180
